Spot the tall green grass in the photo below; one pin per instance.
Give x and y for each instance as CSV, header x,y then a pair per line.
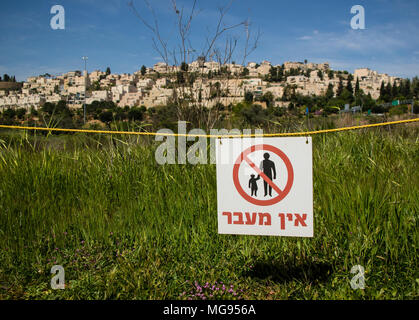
x,y
125,227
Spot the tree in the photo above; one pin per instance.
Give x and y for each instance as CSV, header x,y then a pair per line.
x,y
184,67
9,113
135,114
347,96
330,93
389,91
62,107
180,78
106,116
268,97
59,108
48,107
108,71
349,83
320,74
33,112
415,85
382,91
406,89
280,74
94,86
218,45
21,112
395,91
349,87
340,87
143,70
357,87
248,97
253,114
245,72
6,77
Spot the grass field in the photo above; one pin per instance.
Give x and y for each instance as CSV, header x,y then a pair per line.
x,y
124,227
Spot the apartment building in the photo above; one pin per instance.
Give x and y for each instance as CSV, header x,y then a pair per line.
x,y
135,90
99,95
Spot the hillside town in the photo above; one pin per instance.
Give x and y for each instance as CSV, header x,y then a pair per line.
x,y
150,87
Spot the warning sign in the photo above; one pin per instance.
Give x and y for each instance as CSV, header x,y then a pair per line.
x,y
265,187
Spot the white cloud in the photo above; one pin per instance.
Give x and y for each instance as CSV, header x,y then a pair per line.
x,y
305,38
364,41
388,48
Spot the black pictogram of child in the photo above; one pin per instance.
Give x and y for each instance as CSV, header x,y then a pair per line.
x,y
253,185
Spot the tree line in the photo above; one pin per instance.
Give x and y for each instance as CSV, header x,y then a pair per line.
x,y
7,78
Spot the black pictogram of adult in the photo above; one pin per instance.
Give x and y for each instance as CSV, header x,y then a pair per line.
x,y
268,168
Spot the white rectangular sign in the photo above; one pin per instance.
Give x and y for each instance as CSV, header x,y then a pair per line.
x,y
265,186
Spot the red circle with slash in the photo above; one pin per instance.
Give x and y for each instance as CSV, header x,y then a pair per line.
x,y
281,193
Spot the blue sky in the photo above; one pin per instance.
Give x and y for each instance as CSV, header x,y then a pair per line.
x,y
109,33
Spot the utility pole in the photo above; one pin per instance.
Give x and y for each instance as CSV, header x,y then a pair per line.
x,y
85,86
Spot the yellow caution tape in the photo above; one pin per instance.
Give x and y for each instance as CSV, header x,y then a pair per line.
x,y
286,134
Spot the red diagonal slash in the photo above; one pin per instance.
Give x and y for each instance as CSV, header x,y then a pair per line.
x,y
264,176
281,194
